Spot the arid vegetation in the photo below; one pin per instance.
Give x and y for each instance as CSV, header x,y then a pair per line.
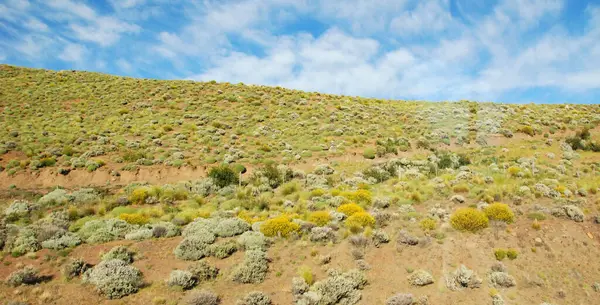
x,y
179,192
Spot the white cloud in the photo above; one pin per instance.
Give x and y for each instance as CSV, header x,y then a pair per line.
x,y
428,16
124,65
75,8
36,25
73,53
105,31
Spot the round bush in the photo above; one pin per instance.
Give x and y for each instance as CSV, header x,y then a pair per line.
x,y
280,226
231,226
320,218
193,248
469,219
499,211
114,278
350,208
253,241
360,219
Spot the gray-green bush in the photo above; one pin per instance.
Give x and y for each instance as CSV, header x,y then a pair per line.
x,y
114,278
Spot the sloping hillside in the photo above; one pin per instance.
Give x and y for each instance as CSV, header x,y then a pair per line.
x,y
128,191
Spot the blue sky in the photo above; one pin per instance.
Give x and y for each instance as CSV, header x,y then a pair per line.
x,y
545,51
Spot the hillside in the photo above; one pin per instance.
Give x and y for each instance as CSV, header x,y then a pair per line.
x,y
276,188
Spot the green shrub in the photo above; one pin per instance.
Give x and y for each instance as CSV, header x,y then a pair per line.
x,y
512,254
223,176
500,254
469,219
499,211
369,153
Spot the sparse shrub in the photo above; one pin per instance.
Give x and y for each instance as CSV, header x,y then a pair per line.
x,y
203,272
61,240
469,219
320,218
255,298
17,209
231,226
135,219
100,230
253,269
26,276
181,278
120,253
427,224
499,211
74,268
400,299
279,226
350,208
322,234
306,274
536,225
512,254
500,254
224,250
360,219
502,279
114,278
202,297
194,247
420,278
223,176
380,237
26,241
56,197
340,288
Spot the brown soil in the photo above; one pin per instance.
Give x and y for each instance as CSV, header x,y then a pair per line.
x,y
560,272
